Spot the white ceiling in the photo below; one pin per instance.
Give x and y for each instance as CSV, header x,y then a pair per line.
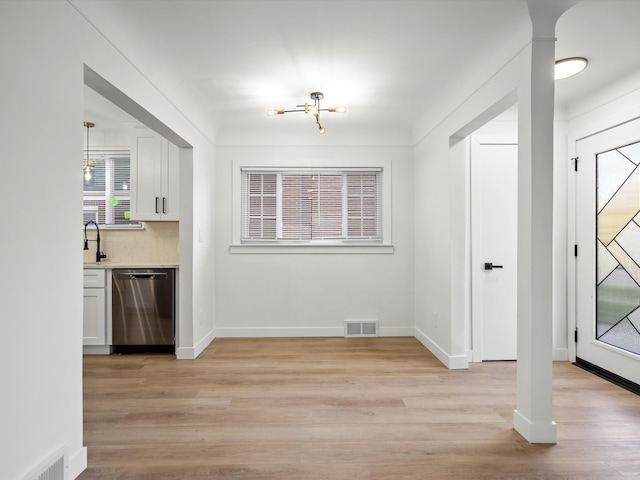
x,y
390,62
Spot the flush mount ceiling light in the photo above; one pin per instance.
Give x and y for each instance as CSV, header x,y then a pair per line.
x,y
568,67
314,109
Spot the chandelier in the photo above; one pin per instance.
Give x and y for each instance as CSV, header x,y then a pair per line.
x,y
313,108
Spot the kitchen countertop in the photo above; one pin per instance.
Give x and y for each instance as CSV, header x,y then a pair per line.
x,y
105,265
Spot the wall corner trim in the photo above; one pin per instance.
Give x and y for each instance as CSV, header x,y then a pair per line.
x,y
191,353
452,362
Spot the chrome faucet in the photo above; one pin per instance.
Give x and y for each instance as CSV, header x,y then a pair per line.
x,y
99,255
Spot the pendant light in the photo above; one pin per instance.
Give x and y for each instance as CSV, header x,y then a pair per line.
x,y
87,167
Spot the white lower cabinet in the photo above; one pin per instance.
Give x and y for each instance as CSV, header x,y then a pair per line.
x,y
94,325
95,317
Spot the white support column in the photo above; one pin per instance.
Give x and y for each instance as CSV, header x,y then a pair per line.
x,y
533,416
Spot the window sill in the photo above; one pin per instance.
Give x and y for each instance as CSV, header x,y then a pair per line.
x,y
311,249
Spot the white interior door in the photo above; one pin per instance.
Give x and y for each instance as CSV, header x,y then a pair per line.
x,y
494,214
608,238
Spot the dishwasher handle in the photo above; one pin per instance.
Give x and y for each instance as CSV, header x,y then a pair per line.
x,y
142,276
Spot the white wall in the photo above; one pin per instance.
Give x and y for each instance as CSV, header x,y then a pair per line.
x,y
201,241
41,295
561,249
44,45
441,216
301,294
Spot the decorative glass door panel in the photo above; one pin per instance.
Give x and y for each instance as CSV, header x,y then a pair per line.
x,y
607,213
618,250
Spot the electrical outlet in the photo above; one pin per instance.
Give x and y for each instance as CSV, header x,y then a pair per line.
x,y
435,319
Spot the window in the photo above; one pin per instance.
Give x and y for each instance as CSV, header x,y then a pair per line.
x,y
106,188
317,206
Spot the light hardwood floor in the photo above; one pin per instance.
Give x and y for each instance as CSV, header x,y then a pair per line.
x,y
334,408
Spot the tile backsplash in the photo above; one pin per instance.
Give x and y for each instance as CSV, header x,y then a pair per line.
x,y
157,242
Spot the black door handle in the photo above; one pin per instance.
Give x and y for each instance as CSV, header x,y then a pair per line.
x,y
491,266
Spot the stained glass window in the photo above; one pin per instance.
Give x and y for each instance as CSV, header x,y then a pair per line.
x,y
618,247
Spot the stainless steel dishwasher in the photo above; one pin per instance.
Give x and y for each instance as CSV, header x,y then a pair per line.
x,y
143,308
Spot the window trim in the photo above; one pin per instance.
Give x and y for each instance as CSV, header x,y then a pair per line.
x,y
353,246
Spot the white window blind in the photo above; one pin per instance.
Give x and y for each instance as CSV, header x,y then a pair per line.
x,y
106,187
320,206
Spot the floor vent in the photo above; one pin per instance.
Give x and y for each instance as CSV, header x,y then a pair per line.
x,y
360,328
50,469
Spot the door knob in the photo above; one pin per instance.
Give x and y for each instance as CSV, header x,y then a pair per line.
x,y
491,266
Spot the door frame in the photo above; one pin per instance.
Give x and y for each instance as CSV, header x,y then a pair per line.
x,y
624,129
608,116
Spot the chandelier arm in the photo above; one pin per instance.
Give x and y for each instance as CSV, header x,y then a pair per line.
x,y
281,111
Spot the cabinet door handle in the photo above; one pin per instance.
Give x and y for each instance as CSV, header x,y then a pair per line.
x,y
164,204
157,199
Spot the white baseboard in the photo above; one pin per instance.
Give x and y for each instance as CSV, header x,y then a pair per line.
x,y
452,362
284,332
191,353
97,349
77,463
303,332
560,355
397,331
535,432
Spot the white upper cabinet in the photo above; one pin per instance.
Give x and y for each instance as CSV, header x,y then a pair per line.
x,y
154,178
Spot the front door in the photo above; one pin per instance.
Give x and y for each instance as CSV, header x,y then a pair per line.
x,y
494,224
608,261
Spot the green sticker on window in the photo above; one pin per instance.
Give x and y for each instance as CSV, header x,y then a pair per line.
x,y
127,214
114,201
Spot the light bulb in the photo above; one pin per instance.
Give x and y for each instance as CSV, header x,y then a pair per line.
x,y
338,109
271,113
87,175
320,129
